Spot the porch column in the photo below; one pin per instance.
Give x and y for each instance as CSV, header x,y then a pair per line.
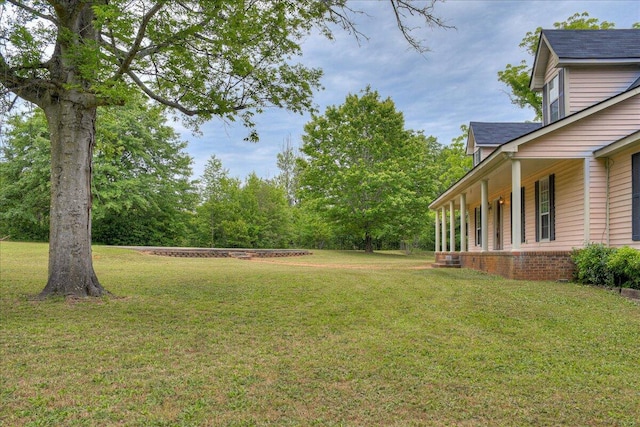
x,y
516,205
587,203
452,227
484,208
443,230
463,222
437,233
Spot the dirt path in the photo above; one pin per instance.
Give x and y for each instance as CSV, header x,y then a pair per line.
x,y
346,266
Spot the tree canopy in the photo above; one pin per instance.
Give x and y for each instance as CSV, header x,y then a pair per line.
x,y
363,170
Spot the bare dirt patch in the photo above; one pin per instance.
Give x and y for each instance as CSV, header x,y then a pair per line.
x,y
346,266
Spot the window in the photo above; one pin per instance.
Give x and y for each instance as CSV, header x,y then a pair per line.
x,y
553,99
478,219
545,209
476,157
635,197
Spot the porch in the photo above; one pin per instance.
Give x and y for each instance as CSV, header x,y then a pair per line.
x,y
518,265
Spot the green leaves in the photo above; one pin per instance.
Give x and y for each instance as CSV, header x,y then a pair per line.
x,y
142,191
363,171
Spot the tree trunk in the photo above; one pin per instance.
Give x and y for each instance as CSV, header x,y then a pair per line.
x,y
368,243
72,131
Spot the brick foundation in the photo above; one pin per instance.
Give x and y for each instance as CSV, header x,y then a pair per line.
x,y
530,265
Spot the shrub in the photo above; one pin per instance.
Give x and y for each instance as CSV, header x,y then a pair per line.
x,y
624,265
591,265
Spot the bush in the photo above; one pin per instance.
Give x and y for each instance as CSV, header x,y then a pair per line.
x,y
624,265
591,265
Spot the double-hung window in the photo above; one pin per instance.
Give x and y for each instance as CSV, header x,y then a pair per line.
x,y
545,212
553,99
545,209
477,157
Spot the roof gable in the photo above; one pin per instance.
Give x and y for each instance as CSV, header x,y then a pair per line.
x,y
485,133
584,47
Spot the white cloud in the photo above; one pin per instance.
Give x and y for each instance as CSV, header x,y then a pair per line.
x,y
453,84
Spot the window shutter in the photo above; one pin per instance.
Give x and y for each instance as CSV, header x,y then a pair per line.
x,y
523,216
537,211
560,95
552,207
511,212
635,199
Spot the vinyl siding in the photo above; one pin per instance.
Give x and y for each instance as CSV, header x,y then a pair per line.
x,y
586,86
569,207
597,201
620,199
583,137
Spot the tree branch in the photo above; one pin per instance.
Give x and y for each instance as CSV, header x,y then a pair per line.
x,y
425,11
124,66
33,11
184,110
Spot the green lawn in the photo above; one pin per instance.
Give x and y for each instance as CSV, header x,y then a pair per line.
x,y
335,338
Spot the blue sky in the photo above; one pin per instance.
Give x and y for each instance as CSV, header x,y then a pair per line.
x,y
453,84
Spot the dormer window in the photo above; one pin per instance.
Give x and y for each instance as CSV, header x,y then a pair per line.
x,y
553,102
554,99
477,157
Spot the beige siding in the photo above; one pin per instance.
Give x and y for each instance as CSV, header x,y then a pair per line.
x,y
620,199
551,68
587,86
597,201
569,209
486,151
584,136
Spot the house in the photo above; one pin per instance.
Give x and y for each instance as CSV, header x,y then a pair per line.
x,y
537,191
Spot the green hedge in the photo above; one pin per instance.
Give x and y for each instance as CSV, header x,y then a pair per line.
x,y
597,264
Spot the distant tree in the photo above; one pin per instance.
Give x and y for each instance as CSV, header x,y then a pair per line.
x,y
253,214
204,59
287,178
516,77
142,188
266,211
363,171
219,205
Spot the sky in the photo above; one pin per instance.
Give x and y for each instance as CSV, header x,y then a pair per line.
x,y
437,92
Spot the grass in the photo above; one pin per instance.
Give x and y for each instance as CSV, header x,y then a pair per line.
x,y
336,338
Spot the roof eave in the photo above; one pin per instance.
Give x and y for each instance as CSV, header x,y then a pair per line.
x,y
502,152
617,146
540,61
563,62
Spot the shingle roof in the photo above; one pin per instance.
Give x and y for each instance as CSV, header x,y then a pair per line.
x,y
635,84
594,44
498,133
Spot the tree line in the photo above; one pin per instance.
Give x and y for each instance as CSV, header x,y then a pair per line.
x,y
359,180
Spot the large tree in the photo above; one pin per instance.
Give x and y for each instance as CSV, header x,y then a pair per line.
x,y
364,171
208,58
516,77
